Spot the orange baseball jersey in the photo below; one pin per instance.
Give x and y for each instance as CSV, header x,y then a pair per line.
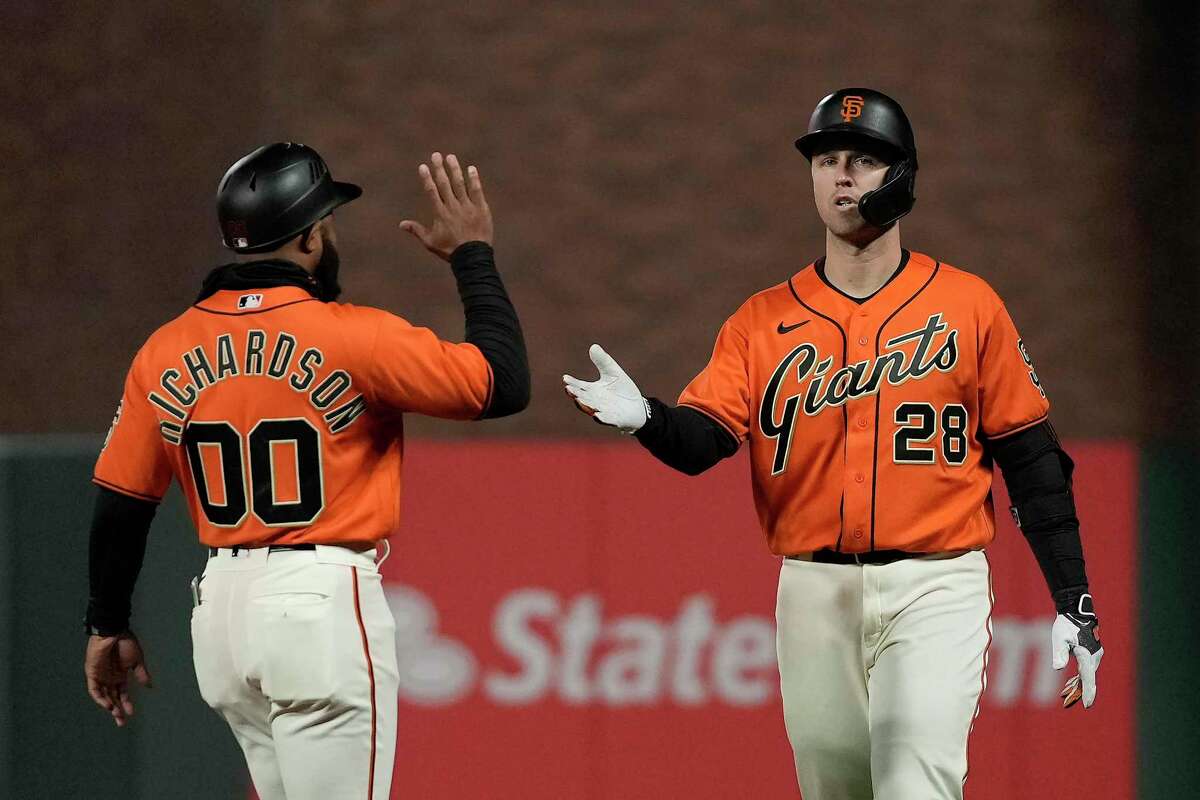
x,y
280,415
867,421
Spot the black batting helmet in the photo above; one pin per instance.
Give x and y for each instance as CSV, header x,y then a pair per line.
x,y
874,119
273,194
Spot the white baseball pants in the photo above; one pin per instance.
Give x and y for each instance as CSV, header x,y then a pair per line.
x,y
296,650
882,668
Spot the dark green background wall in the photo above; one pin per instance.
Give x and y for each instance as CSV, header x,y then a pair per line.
x,y
1166,122
54,741
1169,651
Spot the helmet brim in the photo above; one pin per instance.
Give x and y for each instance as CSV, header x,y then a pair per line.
x,y
341,194
828,138
345,192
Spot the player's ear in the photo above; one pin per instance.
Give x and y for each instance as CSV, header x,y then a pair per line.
x,y
311,238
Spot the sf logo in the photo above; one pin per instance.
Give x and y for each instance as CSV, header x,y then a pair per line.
x,y
852,106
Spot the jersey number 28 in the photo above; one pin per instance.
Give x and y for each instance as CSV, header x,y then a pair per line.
x,y
919,423
261,446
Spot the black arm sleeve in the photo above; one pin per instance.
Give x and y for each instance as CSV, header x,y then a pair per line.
x,y
120,525
492,326
684,438
1037,473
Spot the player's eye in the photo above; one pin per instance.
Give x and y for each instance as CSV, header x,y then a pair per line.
x,y
828,161
865,161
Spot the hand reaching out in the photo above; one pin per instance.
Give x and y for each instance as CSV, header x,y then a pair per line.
x,y
613,399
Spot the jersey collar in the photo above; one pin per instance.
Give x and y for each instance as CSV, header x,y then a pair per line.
x,y
261,274
819,266
810,289
253,301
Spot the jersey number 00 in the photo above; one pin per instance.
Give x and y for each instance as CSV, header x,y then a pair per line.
x,y
260,443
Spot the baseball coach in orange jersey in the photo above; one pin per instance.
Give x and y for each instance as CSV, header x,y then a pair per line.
x,y
279,411
876,386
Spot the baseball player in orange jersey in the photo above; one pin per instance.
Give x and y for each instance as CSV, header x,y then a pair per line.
x,y
279,411
876,386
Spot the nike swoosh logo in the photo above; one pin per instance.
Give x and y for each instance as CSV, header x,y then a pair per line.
x,y
789,328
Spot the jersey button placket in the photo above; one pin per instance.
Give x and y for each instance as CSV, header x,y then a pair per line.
x,y
860,438
857,486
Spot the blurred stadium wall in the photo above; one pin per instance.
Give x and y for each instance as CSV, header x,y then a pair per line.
x,y
639,161
615,643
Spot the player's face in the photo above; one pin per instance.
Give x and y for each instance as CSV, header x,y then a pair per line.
x,y
840,178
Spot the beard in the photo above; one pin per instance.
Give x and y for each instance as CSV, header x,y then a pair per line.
x,y
326,273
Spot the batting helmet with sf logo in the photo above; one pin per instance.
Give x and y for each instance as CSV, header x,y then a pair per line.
x,y
867,118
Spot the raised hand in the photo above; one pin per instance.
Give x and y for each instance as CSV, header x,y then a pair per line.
x,y
460,210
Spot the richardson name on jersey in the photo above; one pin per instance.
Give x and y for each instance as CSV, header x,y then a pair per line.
x,y
203,368
860,379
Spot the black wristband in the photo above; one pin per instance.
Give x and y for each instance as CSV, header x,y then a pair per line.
x,y
97,630
1066,600
684,438
656,419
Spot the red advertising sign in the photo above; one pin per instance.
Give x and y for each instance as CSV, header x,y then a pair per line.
x,y
575,620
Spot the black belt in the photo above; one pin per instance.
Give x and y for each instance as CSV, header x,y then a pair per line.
x,y
871,557
212,551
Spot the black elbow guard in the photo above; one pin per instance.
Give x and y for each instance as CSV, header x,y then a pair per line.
x,y
1044,512
1023,448
1038,474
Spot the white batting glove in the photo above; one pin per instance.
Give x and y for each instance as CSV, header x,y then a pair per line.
x,y
1074,633
614,399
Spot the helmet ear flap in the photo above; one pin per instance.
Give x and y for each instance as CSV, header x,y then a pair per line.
x,y
894,198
